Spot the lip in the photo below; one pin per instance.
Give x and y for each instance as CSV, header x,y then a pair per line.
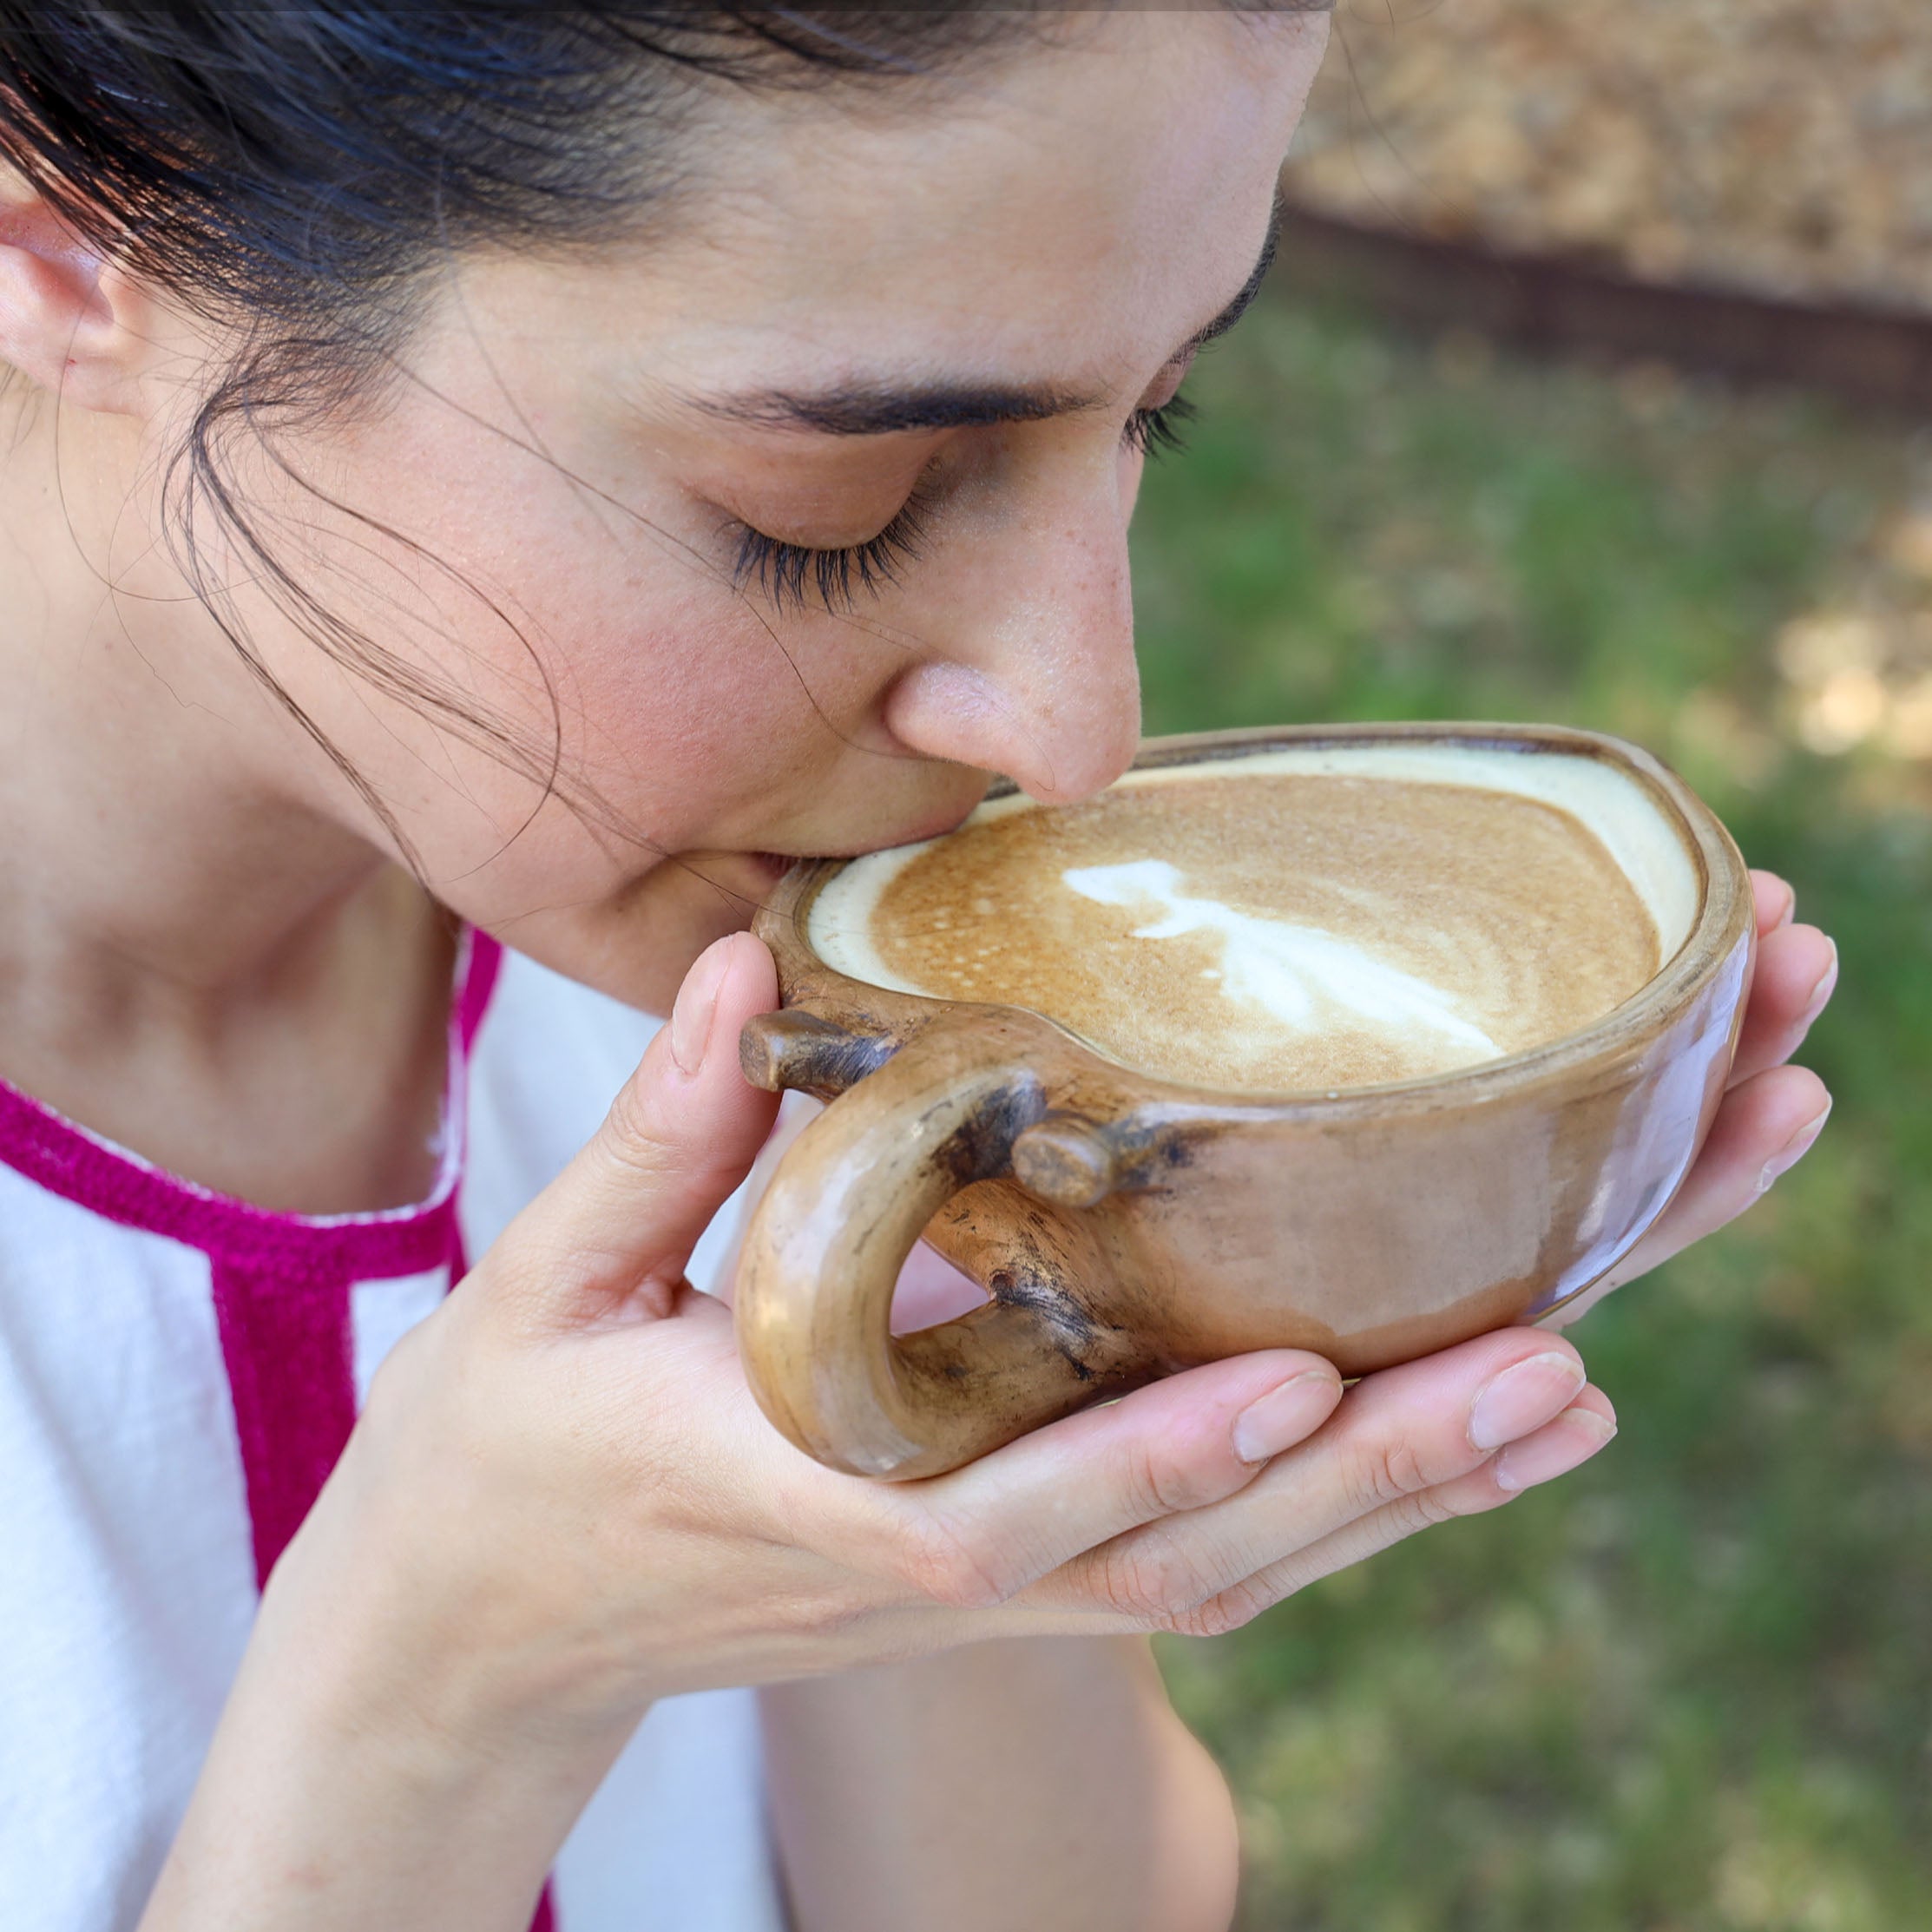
x,y
931,828
770,867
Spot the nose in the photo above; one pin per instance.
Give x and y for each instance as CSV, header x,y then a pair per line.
x,y
1036,674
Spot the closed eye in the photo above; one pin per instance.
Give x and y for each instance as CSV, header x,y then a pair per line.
x,y
1162,431
793,574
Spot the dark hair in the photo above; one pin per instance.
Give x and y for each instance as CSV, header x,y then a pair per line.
x,y
298,172
295,161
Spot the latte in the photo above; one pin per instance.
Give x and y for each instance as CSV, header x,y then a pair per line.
x,y
1292,920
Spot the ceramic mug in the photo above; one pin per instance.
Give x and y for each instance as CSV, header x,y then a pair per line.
x,y
1126,1226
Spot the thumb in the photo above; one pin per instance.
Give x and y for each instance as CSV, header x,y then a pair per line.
x,y
617,1226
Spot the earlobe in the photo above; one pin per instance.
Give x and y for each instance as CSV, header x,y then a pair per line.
x,y
66,315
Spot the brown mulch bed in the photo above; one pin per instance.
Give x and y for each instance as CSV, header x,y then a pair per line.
x,y
1775,147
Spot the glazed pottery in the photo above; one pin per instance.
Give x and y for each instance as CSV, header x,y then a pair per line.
x,y
1126,1226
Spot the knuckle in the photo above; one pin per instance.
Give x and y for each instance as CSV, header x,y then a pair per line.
x,y
641,1148
1152,1484
630,1137
1224,1613
1425,1509
1379,1474
1429,1507
447,1356
947,1565
1143,1579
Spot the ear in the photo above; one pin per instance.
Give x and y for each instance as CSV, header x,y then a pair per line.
x,y
69,320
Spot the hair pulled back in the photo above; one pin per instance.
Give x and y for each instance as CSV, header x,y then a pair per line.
x,y
303,164
296,173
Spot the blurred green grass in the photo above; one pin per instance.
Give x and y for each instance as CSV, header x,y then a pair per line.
x,y
1690,1688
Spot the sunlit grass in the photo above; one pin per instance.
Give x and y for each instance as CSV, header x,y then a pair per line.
x,y
1690,1689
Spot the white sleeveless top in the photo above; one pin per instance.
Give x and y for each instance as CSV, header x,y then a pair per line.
x,y
177,1373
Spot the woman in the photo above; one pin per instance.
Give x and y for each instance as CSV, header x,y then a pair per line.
x,y
526,472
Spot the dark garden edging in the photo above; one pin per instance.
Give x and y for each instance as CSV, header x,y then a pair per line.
x,y
1874,358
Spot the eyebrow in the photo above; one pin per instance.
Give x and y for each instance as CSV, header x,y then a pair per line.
x,y
889,409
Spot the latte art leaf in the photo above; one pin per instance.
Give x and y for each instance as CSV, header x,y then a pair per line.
x,y
1287,970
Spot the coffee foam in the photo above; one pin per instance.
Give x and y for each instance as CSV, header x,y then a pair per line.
x,y
1287,971
1363,914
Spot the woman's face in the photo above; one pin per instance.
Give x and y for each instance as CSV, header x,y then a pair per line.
x,y
933,310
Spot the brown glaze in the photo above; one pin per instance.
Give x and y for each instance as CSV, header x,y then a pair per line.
x,y
1126,1226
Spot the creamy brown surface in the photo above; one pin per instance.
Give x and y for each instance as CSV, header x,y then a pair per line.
x,y
1278,932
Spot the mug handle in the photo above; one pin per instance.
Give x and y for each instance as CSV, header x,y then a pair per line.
x,y
846,1207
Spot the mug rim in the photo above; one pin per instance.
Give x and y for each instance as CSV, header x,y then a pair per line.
x,y
1725,916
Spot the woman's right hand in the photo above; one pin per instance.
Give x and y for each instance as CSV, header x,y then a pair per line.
x,y
562,1501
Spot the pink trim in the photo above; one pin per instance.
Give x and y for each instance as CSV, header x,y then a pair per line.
x,y
479,982
546,1919
281,1282
68,1160
478,977
286,1340
85,1167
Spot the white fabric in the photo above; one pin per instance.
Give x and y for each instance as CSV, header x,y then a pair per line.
x,y
127,1580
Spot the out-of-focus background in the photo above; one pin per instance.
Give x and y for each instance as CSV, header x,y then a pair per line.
x,y
1689,1689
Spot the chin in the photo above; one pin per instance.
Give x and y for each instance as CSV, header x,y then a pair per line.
x,y
638,945
710,901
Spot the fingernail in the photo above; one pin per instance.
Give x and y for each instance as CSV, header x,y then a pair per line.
x,y
1790,912
1284,1416
1522,1398
1821,993
697,1000
1794,1150
1553,1450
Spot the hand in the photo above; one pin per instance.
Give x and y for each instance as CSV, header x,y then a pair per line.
x,y
1771,1114
562,1501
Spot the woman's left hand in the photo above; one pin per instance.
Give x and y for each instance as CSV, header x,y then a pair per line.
x,y
1771,1112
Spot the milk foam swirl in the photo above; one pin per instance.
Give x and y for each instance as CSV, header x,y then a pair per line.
x,y
1296,974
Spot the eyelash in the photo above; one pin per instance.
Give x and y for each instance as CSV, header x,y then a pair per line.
x,y
1159,432
793,572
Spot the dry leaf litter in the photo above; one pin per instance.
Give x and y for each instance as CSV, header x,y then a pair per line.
x,y
1780,146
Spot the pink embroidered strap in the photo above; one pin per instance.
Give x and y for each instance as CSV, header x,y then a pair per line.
x,y
81,1166
286,1340
476,982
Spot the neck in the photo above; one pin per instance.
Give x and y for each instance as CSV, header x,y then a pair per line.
x,y
159,832
176,886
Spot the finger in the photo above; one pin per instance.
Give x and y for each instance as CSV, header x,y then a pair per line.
x,y
1798,969
616,1228
1011,1517
1775,900
1397,1433
1762,1129
1556,1449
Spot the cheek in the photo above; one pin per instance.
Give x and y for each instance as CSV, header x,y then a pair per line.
x,y
672,712
611,651
674,704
